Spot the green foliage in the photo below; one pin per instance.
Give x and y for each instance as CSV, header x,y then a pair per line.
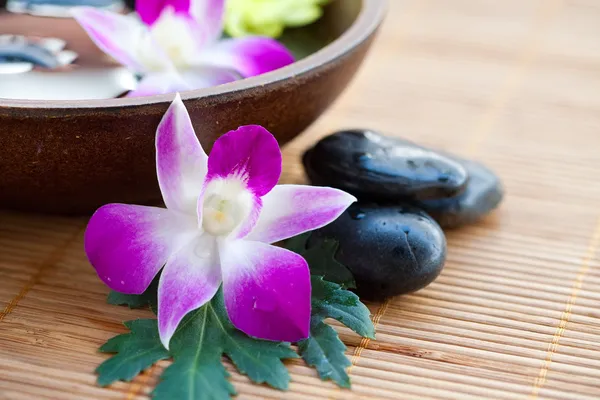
x,y
326,352
323,349
330,300
196,348
136,351
148,298
197,371
321,259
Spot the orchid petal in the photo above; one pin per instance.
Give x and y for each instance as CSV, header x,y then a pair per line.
x,y
158,83
250,154
209,15
181,163
150,10
289,210
266,289
190,79
190,278
243,166
203,77
249,56
117,35
128,245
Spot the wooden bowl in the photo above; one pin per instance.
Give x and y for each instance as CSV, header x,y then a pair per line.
x,y
70,157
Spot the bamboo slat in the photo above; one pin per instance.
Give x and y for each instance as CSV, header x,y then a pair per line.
x,y
515,313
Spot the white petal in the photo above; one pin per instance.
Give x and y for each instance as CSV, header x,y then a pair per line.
x,y
289,210
181,163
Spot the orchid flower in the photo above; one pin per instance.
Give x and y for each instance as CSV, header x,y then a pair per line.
x,y
223,213
176,45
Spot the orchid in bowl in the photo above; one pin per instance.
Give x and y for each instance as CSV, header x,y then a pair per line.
x,y
177,45
223,213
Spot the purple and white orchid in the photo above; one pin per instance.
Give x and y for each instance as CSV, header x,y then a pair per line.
x,y
176,45
223,212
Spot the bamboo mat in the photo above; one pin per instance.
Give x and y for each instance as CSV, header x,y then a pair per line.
x,y
516,311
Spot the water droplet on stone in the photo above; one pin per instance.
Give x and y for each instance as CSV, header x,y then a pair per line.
x,y
387,262
374,167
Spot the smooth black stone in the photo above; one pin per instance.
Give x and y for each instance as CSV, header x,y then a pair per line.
x,y
390,250
484,193
375,167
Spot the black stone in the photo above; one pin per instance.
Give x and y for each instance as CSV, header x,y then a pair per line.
x,y
375,167
484,193
390,250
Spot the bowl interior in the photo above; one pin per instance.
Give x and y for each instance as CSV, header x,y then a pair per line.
x,y
338,17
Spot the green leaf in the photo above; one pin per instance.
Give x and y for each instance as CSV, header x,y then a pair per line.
x,y
321,259
330,300
323,349
148,298
131,300
326,352
136,351
259,359
197,346
197,372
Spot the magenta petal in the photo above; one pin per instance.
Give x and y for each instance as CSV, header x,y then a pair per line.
x,y
128,245
190,279
209,15
290,210
267,290
249,56
150,10
251,154
115,34
181,163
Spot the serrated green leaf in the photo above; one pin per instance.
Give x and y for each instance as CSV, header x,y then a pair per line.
x,y
197,346
189,379
330,300
136,351
323,349
259,359
148,298
197,372
321,259
130,300
326,352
